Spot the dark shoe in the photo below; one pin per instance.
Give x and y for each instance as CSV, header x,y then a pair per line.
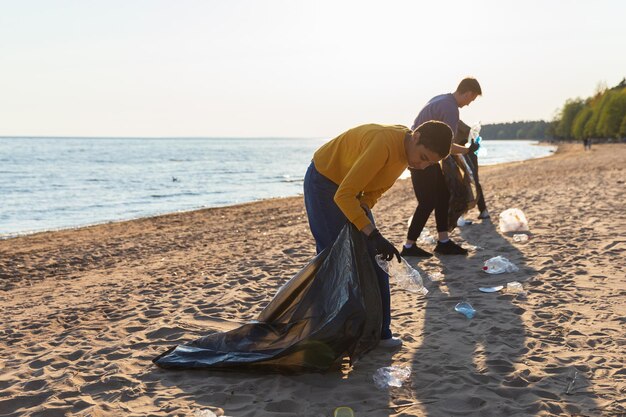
x,y
484,215
449,248
415,251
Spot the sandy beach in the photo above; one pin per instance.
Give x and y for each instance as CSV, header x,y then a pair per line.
x,y
83,312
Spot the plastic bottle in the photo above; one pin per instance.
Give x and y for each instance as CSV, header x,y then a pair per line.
x,y
391,376
466,309
478,140
403,274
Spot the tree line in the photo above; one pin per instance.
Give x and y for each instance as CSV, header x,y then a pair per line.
x,y
602,115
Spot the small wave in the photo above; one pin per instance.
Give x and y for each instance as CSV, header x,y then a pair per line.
x,y
173,195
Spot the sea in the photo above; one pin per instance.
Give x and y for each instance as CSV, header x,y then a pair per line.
x,y
52,183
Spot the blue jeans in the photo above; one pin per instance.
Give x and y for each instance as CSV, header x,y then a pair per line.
x,y
326,221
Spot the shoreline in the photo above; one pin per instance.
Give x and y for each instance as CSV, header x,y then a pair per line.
x,y
9,236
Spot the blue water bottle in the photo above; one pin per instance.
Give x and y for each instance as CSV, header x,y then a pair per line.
x,y
478,140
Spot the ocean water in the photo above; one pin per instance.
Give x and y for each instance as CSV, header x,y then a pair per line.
x,y
56,183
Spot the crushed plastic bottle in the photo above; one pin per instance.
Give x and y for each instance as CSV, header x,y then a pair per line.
x,y
498,265
475,135
466,309
403,274
463,222
427,238
478,140
513,220
520,237
391,376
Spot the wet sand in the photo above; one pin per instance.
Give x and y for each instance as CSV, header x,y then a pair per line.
x,y
84,311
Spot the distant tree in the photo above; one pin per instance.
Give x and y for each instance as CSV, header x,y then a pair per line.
x,y
592,126
612,113
580,121
567,116
622,128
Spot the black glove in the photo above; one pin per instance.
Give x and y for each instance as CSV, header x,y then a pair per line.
x,y
473,147
383,246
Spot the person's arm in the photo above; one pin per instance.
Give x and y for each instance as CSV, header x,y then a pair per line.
x,y
365,168
370,198
458,149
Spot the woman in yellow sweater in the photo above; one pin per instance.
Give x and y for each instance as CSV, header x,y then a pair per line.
x,y
349,174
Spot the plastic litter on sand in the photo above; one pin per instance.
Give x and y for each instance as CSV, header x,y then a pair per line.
x,y
435,276
391,376
513,220
343,412
491,289
403,274
466,309
498,265
514,286
426,238
521,238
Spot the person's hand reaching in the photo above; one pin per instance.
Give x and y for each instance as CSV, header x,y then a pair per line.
x,y
383,246
473,147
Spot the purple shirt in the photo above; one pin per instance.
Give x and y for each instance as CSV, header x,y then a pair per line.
x,y
442,108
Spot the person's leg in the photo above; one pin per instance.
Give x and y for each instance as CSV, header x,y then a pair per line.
x,y
445,246
424,188
482,207
325,218
326,221
442,203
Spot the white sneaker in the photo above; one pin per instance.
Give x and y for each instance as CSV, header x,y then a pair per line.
x,y
391,343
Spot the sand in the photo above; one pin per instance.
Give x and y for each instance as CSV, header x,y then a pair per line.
x,y
84,311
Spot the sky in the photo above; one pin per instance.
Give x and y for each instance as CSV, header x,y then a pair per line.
x,y
291,68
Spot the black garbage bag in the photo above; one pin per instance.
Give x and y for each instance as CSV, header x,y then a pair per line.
x,y
459,178
328,310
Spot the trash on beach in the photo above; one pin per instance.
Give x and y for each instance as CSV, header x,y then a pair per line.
x,y
471,248
462,222
435,276
466,309
514,286
491,289
498,265
204,413
513,220
343,412
391,376
427,238
571,384
403,274
520,237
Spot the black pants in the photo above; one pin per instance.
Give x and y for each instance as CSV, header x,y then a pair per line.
x,y
432,194
479,190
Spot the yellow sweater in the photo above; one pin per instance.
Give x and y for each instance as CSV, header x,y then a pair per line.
x,y
365,162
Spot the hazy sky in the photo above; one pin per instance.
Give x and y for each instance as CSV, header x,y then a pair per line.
x,y
290,67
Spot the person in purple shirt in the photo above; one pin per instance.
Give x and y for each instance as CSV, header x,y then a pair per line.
x,y
429,184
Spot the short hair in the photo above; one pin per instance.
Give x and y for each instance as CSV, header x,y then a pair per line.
x,y
462,133
436,136
469,84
